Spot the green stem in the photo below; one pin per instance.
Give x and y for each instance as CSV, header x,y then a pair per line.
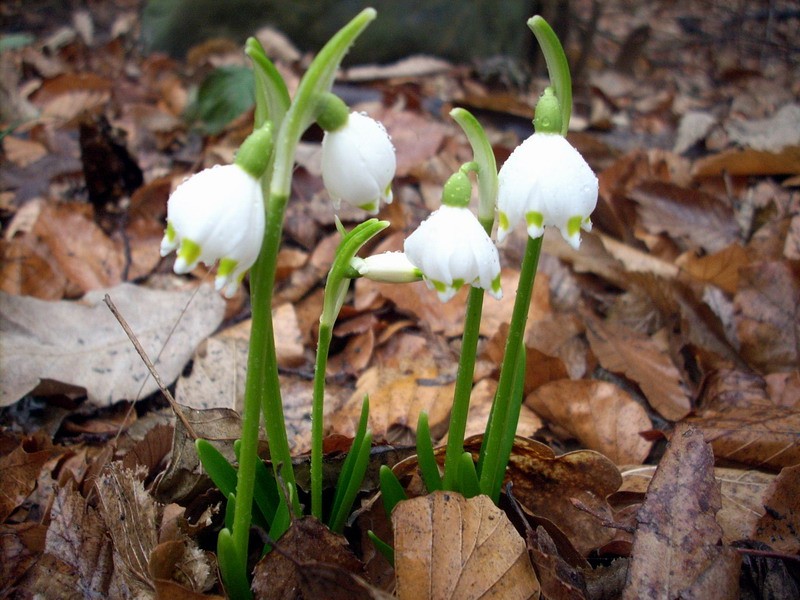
x,y
492,468
317,413
461,396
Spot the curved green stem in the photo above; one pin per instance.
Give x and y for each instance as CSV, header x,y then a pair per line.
x,y
317,414
492,467
557,66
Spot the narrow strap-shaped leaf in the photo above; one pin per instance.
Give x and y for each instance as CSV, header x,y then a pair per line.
x,y
468,477
353,485
425,456
234,574
385,549
346,472
391,490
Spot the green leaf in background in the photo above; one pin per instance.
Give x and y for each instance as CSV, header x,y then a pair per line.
x,y
225,94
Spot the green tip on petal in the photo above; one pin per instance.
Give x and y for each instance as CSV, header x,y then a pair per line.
x,y
226,267
502,219
496,285
574,225
457,191
535,219
458,284
170,232
370,207
439,286
188,254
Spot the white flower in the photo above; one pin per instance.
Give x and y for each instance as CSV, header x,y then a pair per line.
x,y
358,163
217,214
546,181
388,267
451,249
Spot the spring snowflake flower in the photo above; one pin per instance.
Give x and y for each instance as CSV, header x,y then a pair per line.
x,y
218,214
452,249
358,163
547,182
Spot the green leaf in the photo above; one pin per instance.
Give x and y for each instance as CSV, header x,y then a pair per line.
x,y
272,96
425,456
222,473
346,472
353,484
468,476
391,490
382,547
232,567
225,93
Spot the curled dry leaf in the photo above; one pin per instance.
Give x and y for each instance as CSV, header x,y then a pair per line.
x,y
676,545
720,268
602,416
623,350
450,547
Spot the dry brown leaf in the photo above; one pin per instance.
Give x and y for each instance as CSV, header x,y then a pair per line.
x,y
450,547
623,350
560,335
743,496
720,269
85,254
676,547
548,485
765,437
747,161
20,547
602,416
81,343
416,137
559,579
77,562
779,525
412,375
19,470
22,152
281,573
767,315
702,219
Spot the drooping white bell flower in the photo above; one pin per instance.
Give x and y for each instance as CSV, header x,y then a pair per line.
x,y
547,182
388,267
358,163
218,215
452,249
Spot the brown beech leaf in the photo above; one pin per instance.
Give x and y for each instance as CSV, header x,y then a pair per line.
x,y
765,436
480,404
676,551
559,579
77,562
623,350
747,161
548,485
411,375
82,344
702,219
744,494
720,268
86,255
450,547
28,269
767,315
20,547
779,525
280,573
602,416
20,469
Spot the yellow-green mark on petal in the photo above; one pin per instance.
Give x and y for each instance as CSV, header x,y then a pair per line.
x,y
226,267
503,221
574,225
170,233
534,218
189,251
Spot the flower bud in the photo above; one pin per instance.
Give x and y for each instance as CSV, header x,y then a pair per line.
x,y
388,267
358,163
